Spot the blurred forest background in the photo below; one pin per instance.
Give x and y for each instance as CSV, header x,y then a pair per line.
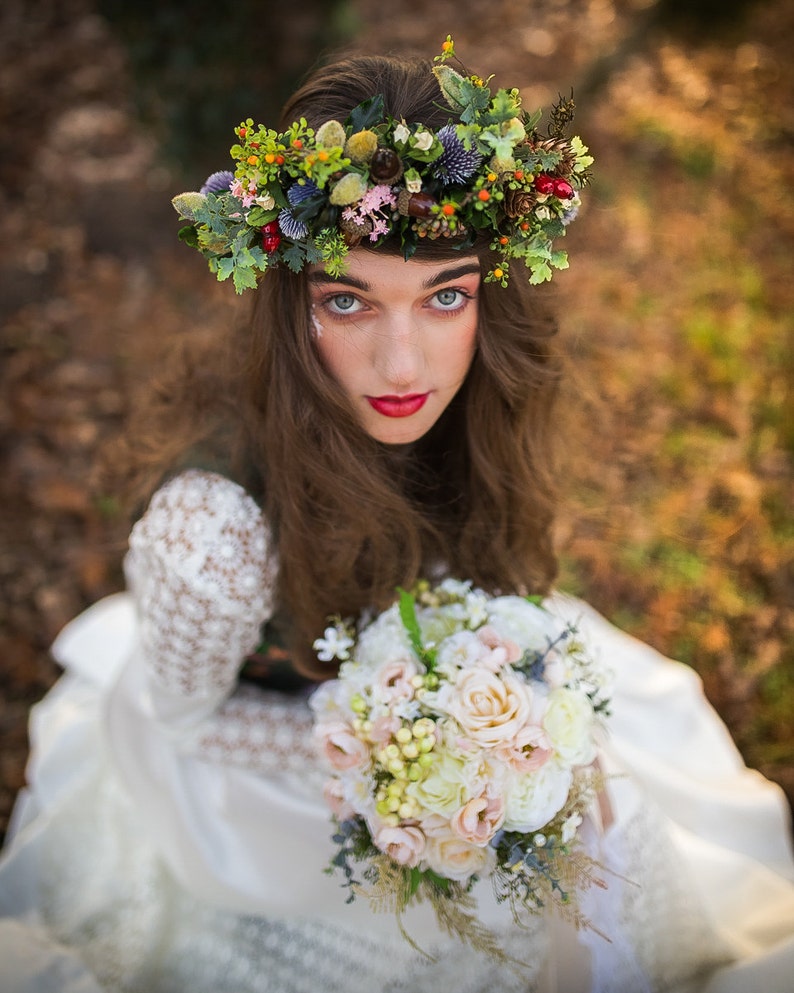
x,y
677,310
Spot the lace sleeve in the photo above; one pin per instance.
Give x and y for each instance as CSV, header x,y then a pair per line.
x,y
202,572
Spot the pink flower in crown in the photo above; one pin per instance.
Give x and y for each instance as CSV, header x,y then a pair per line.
x,y
502,651
340,746
405,845
478,820
239,190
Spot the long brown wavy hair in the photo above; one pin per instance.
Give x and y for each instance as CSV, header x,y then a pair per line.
x,y
353,519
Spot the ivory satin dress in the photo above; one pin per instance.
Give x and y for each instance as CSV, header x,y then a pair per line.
x,y
173,835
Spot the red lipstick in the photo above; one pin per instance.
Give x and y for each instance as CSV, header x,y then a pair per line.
x,y
398,406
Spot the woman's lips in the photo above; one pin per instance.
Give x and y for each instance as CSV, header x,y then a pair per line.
x,y
398,406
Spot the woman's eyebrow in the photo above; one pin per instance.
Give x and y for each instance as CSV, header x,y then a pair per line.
x,y
323,277
454,272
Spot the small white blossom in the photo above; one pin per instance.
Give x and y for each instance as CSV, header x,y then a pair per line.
x,y
335,644
401,133
423,140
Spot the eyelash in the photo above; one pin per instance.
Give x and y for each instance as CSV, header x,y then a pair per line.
x,y
328,303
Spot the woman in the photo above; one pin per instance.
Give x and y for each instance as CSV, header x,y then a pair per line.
x,y
383,418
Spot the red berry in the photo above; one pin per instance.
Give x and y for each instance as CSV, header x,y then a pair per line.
x,y
271,242
271,228
544,184
563,189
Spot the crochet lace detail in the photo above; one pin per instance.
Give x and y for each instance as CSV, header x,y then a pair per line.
x,y
202,572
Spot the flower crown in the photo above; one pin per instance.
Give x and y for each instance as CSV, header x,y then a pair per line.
x,y
304,196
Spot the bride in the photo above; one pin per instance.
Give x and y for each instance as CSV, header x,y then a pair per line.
x,y
387,414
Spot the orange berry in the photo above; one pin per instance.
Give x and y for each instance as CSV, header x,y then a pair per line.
x,y
519,173
322,156
498,273
491,177
504,240
484,195
252,160
447,46
297,143
270,158
448,209
524,225
279,160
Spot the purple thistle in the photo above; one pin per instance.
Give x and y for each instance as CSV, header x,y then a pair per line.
x,y
456,164
290,226
299,192
218,182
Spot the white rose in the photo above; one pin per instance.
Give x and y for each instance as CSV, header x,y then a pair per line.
x,y
385,640
446,788
460,651
533,800
401,133
423,140
518,620
568,722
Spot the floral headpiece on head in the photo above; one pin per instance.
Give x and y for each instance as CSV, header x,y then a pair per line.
x,y
304,196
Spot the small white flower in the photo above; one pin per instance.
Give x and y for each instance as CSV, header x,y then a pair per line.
x,y
266,202
401,133
413,185
569,828
335,644
423,140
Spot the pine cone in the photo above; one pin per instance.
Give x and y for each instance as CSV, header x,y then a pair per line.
x,y
519,203
354,230
561,146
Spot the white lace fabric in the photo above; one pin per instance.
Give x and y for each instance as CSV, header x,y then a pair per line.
x,y
201,569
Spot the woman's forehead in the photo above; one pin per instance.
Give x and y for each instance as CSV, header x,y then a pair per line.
x,y
366,270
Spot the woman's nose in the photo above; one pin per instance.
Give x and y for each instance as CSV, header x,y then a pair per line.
x,y
399,355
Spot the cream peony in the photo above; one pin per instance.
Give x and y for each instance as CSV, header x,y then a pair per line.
x,y
568,722
532,800
449,855
489,708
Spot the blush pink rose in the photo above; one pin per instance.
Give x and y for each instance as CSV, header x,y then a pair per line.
x,y
490,708
478,820
334,797
393,680
528,751
405,845
501,652
339,744
383,729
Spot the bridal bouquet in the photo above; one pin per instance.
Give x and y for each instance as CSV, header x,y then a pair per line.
x,y
460,738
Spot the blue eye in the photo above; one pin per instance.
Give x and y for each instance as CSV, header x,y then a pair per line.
x,y
343,302
450,299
